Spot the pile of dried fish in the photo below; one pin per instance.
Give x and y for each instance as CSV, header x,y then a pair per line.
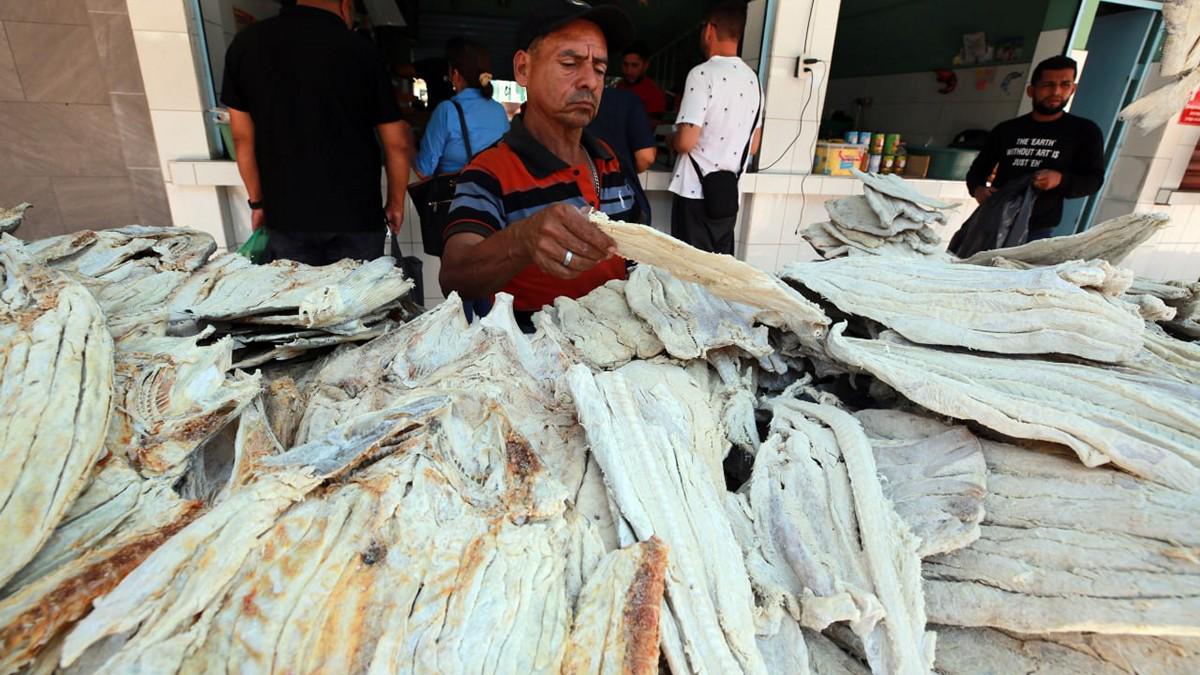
x,y
890,218
282,310
870,464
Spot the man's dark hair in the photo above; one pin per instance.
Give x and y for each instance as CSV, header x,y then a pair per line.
x,y
1054,63
640,49
471,60
729,19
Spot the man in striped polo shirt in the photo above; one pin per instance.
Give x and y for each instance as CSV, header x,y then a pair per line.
x,y
517,223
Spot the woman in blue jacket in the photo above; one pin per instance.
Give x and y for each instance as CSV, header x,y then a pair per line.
x,y
443,149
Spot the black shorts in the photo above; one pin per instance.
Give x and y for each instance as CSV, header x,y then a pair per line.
x,y
324,248
690,224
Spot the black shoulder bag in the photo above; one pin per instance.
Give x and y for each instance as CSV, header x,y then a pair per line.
x,y
432,197
721,187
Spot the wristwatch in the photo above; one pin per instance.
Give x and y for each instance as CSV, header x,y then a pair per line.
x,y
254,205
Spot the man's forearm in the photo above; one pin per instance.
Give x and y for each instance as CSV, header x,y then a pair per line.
x,y
479,269
247,164
397,166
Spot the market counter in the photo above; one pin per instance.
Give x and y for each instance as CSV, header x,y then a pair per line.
x,y
224,173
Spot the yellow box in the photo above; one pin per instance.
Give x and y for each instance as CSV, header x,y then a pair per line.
x,y
836,159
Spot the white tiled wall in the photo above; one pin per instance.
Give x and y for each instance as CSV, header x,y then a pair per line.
x,y
169,69
909,103
1145,178
1173,253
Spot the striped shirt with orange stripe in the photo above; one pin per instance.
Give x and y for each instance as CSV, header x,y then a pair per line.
x,y
516,178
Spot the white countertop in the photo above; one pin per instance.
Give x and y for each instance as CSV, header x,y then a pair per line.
x,y
224,173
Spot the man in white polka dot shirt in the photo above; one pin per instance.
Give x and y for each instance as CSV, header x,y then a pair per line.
x,y
718,129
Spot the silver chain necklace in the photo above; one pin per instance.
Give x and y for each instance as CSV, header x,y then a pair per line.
x,y
592,170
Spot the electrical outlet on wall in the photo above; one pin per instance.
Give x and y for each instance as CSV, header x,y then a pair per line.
x,y
804,66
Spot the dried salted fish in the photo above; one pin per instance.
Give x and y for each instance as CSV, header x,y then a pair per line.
x,y
438,350
10,219
56,390
968,651
934,475
125,253
603,328
857,213
1036,311
896,187
1065,548
723,275
661,489
689,320
173,394
1181,48
300,295
449,528
1111,241
829,547
160,599
1163,355
1160,106
617,614
115,524
1143,424
833,241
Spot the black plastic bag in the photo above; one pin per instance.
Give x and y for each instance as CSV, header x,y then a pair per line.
x,y
410,265
1000,222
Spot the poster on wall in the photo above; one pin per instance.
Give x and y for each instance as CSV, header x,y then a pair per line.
x,y
1191,111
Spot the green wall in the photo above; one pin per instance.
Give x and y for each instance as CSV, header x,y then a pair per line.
x,y
1061,14
1085,23
879,37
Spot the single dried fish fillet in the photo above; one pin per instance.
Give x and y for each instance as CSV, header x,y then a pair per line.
x,y
56,390
1037,311
10,219
617,614
300,295
125,253
603,328
1162,105
1112,241
1143,424
723,275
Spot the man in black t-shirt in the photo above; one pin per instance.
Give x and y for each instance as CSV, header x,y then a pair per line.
x,y
307,98
1064,152
621,122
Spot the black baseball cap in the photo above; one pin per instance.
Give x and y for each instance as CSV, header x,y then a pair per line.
x,y
550,16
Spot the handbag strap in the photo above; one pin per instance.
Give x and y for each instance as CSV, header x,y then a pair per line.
x,y
753,125
462,123
746,149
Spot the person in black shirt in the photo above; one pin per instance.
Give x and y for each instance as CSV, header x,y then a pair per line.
x,y
621,122
306,98
1064,152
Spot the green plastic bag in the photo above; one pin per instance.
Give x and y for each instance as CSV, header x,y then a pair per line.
x,y
255,247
